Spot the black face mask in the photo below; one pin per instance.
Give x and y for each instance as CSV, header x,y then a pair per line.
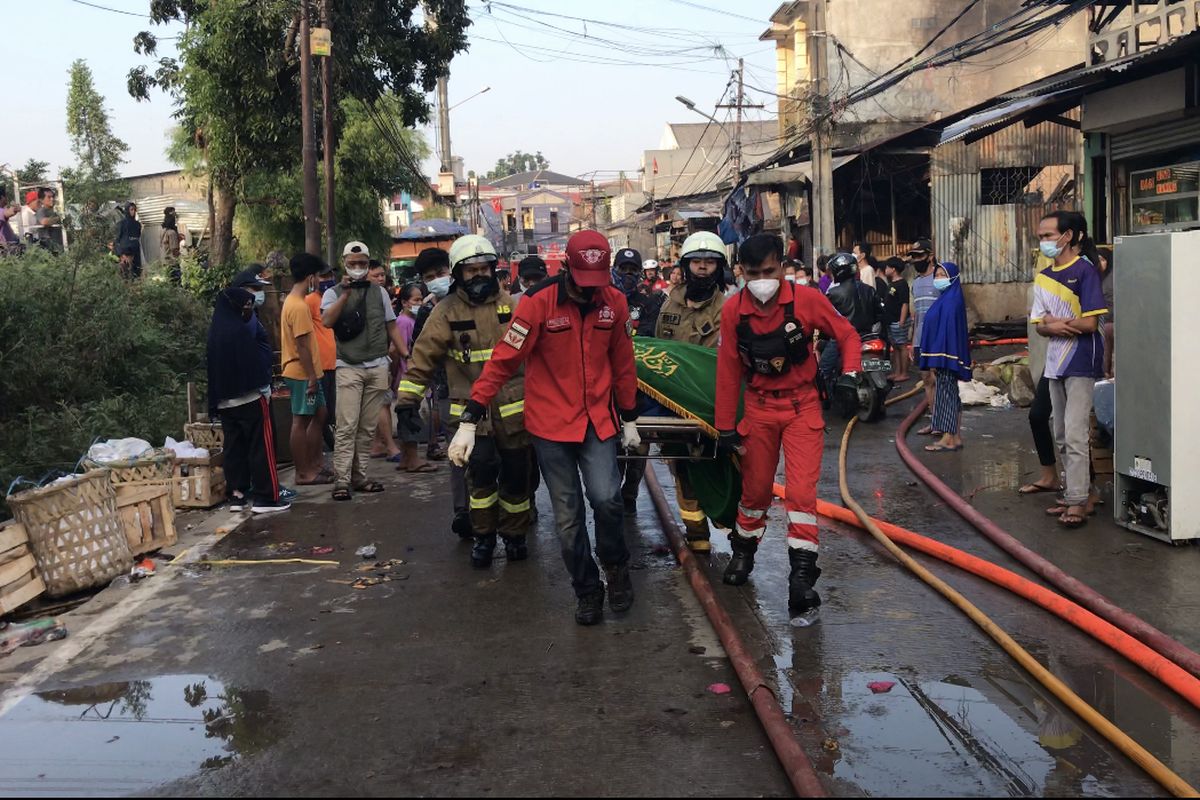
x,y
481,287
628,284
698,289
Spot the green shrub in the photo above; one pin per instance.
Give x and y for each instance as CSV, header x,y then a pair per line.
x,y
86,355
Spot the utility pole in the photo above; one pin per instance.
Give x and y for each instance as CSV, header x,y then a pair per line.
x,y
329,144
737,128
443,101
312,226
824,240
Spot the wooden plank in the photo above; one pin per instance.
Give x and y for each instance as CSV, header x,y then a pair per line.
x,y
14,600
12,535
10,572
8,556
128,495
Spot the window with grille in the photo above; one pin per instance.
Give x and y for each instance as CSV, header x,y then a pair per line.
x,y
1007,185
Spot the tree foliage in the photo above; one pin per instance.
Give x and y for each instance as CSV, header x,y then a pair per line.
x,y
517,162
236,81
34,171
92,183
365,171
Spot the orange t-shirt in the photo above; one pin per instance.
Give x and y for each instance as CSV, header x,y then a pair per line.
x,y
325,342
296,321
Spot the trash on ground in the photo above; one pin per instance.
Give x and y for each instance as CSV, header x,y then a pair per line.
x,y
880,687
366,551
185,449
322,551
28,634
720,688
241,562
115,450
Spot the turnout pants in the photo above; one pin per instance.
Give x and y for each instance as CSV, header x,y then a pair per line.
x,y
562,464
498,482
689,508
360,395
795,424
250,450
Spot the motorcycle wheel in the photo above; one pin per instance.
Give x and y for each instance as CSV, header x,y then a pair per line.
x,y
870,405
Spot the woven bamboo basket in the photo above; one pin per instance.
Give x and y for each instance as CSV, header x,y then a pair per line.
x,y
75,532
158,467
208,435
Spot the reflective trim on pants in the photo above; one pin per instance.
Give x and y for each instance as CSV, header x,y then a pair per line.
x,y
485,502
514,508
691,516
509,409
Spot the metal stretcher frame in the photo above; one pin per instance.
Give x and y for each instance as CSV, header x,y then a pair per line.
x,y
673,430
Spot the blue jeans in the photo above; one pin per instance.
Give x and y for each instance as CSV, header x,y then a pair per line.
x,y
831,362
562,463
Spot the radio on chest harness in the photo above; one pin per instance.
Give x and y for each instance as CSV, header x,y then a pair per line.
x,y
776,352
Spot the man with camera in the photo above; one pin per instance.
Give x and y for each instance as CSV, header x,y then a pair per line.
x,y
362,318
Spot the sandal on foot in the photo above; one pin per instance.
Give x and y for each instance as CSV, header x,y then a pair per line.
x,y
941,448
341,493
929,430
1037,488
423,467
1070,520
370,487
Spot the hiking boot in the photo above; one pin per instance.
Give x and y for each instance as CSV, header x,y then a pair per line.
x,y
515,548
620,587
462,525
741,564
481,553
589,609
802,597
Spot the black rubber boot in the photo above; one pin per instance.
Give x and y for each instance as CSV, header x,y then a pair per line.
x,y
481,553
462,525
742,562
590,608
515,548
802,597
620,587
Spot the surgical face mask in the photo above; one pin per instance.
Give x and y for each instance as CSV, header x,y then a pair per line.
x,y
439,287
741,283
259,298
356,274
1050,249
790,278
942,284
763,289
803,281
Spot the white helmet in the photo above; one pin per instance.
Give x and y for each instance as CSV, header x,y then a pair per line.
x,y
471,249
702,244
649,263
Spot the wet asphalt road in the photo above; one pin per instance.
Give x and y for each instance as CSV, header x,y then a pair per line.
x,y
445,680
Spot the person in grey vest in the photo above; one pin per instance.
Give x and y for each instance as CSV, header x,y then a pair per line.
x,y
363,322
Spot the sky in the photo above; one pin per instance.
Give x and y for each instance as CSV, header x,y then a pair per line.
x,y
589,95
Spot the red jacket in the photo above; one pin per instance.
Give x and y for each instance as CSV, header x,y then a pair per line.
x,y
813,311
575,364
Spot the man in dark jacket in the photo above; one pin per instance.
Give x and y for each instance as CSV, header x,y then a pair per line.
x,y
239,393
858,302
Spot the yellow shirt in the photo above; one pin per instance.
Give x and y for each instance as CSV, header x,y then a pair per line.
x,y
296,321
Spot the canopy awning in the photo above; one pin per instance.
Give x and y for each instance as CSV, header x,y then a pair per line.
x,y
800,172
1001,116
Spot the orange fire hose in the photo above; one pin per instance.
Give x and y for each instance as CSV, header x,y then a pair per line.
x,y
997,342
1171,674
1118,738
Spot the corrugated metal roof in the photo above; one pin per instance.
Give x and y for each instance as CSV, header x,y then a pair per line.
x,y
998,115
193,213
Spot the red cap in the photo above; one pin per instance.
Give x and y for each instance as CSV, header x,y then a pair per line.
x,y
588,259
30,196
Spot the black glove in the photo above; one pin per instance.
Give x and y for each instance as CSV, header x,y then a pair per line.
x,y
845,396
729,442
408,420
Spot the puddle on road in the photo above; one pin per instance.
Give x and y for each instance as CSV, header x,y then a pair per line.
x,y
123,738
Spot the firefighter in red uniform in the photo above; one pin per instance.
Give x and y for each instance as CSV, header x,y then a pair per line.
x,y
574,335
766,341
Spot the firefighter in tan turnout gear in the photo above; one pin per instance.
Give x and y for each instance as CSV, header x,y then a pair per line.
x,y
460,334
692,313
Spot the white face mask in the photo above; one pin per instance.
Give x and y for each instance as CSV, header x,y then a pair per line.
x,y
763,289
439,287
802,281
356,274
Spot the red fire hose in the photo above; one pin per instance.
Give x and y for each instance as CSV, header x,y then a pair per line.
x,y
997,342
783,740
1086,596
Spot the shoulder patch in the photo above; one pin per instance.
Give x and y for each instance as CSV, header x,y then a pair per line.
x,y
520,327
514,338
671,319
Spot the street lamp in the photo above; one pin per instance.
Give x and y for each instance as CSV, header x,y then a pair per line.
x,y
484,90
692,107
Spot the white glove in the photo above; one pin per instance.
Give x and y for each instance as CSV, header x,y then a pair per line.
x,y
630,438
462,444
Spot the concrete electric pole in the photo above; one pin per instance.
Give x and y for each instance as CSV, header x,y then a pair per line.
x,y
824,235
329,144
312,225
739,106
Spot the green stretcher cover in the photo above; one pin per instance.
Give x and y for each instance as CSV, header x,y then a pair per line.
x,y
682,378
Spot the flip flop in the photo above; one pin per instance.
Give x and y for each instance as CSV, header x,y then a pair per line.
x,y
370,487
937,448
426,467
321,480
1072,521
928,430
1037,488
341,493
396,459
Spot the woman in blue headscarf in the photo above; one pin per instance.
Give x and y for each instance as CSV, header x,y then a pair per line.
x,y
946,349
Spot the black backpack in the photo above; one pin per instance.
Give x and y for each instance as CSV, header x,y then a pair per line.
x,y
353,320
